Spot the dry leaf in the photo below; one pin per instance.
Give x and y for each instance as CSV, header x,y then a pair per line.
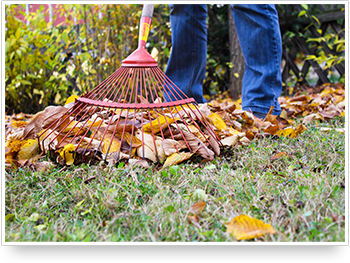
x,y
217,121
176,158
30,150
232,140
67,153
278,155
158,124
170,146
298,130
43,166
246,227
194,211
196,145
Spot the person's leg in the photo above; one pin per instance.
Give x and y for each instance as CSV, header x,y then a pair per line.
x,y
260,40
187,63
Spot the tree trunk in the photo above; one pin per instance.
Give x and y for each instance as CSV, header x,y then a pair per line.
x,y
236,58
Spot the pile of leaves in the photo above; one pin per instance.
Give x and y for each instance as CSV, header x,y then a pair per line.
x,y
235,127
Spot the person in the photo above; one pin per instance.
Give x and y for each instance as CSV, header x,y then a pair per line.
x,y
259,36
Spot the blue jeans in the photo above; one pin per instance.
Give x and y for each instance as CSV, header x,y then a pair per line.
x,y
260,39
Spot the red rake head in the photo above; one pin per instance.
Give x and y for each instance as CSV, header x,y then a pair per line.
x,y
137,112
129,115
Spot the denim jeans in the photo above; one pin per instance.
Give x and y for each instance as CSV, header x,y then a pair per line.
x,y
260,39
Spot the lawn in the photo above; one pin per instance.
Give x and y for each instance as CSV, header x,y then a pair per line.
x,y
301,195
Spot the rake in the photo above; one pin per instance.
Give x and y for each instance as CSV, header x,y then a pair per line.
x,y
131,112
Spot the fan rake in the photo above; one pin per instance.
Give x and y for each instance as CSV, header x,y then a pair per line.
x,y
130,113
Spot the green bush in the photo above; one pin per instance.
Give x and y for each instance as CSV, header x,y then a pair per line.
x,y
38,71
32,62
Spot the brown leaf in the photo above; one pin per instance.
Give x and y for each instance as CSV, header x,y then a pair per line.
x,y
170,146
194,211
196,145
278,155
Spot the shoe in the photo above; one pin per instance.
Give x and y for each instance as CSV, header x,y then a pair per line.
x,y
259,115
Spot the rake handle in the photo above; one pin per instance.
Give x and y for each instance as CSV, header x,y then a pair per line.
x,y
147,10
145,24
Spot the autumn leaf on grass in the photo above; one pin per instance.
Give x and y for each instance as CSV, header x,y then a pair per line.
x,y
232,140
277,156
68,153
340,130
298,130
194,211
246,227
176,158
315,116
292,132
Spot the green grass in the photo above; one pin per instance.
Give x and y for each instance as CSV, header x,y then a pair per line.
x,y
300,195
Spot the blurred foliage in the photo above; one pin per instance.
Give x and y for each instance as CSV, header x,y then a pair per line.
x,y
46,64
308,16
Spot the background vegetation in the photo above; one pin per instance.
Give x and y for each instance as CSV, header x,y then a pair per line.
x,y
46,64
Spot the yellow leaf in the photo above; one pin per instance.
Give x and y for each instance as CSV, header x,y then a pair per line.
x,y
284,114
115,145
68,153
298,130
285,132
71,99
11,149
94,124
18,124
73,129
158,124
218,122
176,158
131,140
30,150
246,227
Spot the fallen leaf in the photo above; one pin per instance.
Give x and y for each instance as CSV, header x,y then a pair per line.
x,y
170,146
71,99
158,124
298,130
68,154
194,211
176,158
232,140
197,208
246,227
278,155
196,145
43,166
340,130
30,150
217,121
